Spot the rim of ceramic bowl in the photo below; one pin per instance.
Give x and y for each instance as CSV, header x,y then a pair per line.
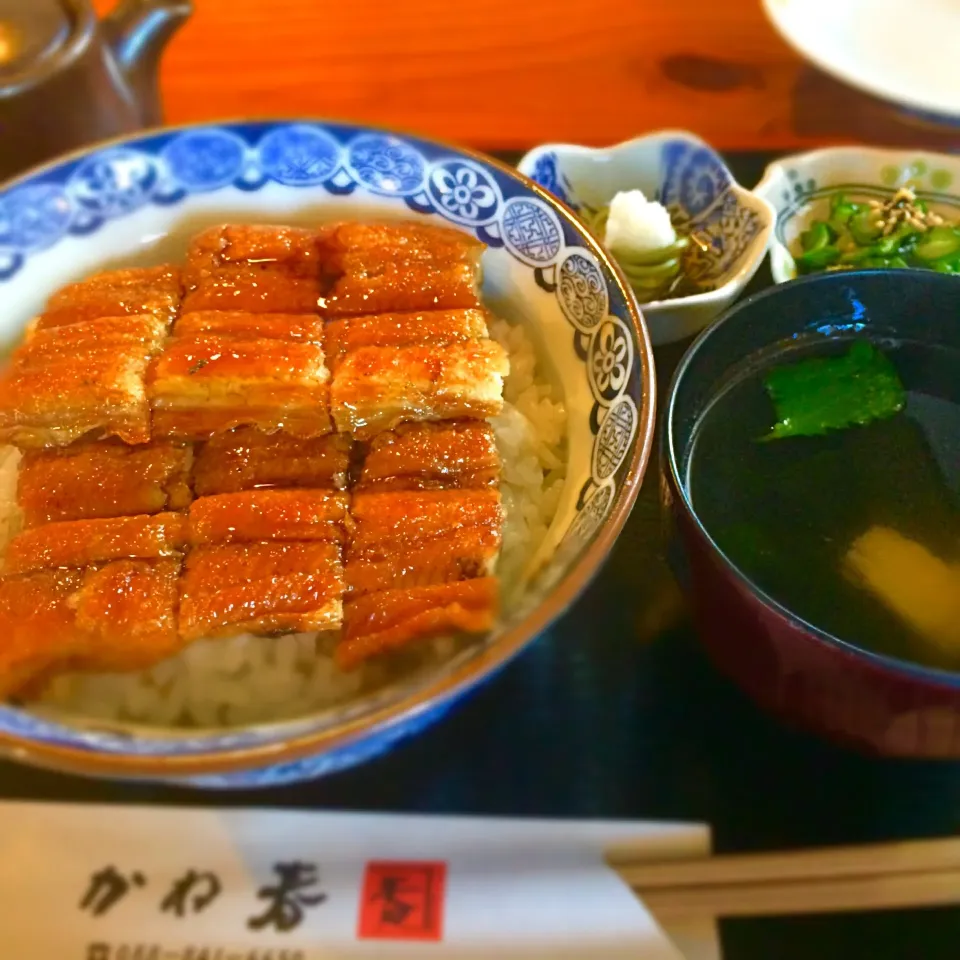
x,y
764,208
770,171
935,675
431,693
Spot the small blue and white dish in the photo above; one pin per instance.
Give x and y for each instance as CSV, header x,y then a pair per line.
x,y
730,226
135,201
800,187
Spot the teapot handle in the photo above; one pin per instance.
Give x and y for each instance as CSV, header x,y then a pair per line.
x,y
137,31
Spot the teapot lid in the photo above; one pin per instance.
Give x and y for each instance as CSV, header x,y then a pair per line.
x,y
30,34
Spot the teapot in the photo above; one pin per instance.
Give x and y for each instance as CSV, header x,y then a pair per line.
x,y
67,78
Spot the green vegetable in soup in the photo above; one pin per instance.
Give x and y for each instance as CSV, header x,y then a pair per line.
x,y
820,394
901,232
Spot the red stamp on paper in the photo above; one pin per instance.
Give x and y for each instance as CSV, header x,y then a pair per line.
x,y
402,901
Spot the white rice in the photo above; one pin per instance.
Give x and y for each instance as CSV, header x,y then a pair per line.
x,y
248,679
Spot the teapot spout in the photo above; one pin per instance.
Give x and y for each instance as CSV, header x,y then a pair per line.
x,y
137,32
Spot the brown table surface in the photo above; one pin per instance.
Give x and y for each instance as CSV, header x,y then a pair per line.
x,y
505,74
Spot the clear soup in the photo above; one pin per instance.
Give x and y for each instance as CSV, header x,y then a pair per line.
x,y
856,531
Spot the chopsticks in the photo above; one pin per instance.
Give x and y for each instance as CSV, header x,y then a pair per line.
x,y
876,877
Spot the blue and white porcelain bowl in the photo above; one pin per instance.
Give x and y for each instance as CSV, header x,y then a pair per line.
x,y
731,226
136,200
800,186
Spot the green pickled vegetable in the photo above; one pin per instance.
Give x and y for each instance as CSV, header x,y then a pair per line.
x,y
892,244
652,258
819,258
841,210
820,394
938,243
652,274
857,256
863,227
901,233
817,237
946,266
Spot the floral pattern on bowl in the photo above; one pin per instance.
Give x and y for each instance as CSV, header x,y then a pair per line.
x,y
731,228
800,186
135,201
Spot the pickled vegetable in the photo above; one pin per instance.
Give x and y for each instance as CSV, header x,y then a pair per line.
x,y
900,232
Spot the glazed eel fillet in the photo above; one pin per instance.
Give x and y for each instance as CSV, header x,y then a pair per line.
x,y
78,543
461,544
247,350
253,269
380,622
251,326
209,423
427,531
210,383
81,368
339,269
264,561
269,515
247,458
379,268
90,594
153,291
346,335
263,588
394,368
259,561
65,382
108,479
423,456
114,616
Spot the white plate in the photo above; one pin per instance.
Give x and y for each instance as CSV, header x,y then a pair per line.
x,y
908,53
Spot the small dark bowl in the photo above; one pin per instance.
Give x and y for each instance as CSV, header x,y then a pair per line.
x,y
875,703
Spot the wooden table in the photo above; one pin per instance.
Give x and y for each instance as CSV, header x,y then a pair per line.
x,y
503,74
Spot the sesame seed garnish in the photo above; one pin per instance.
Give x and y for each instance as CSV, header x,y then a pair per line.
x,y
902,208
